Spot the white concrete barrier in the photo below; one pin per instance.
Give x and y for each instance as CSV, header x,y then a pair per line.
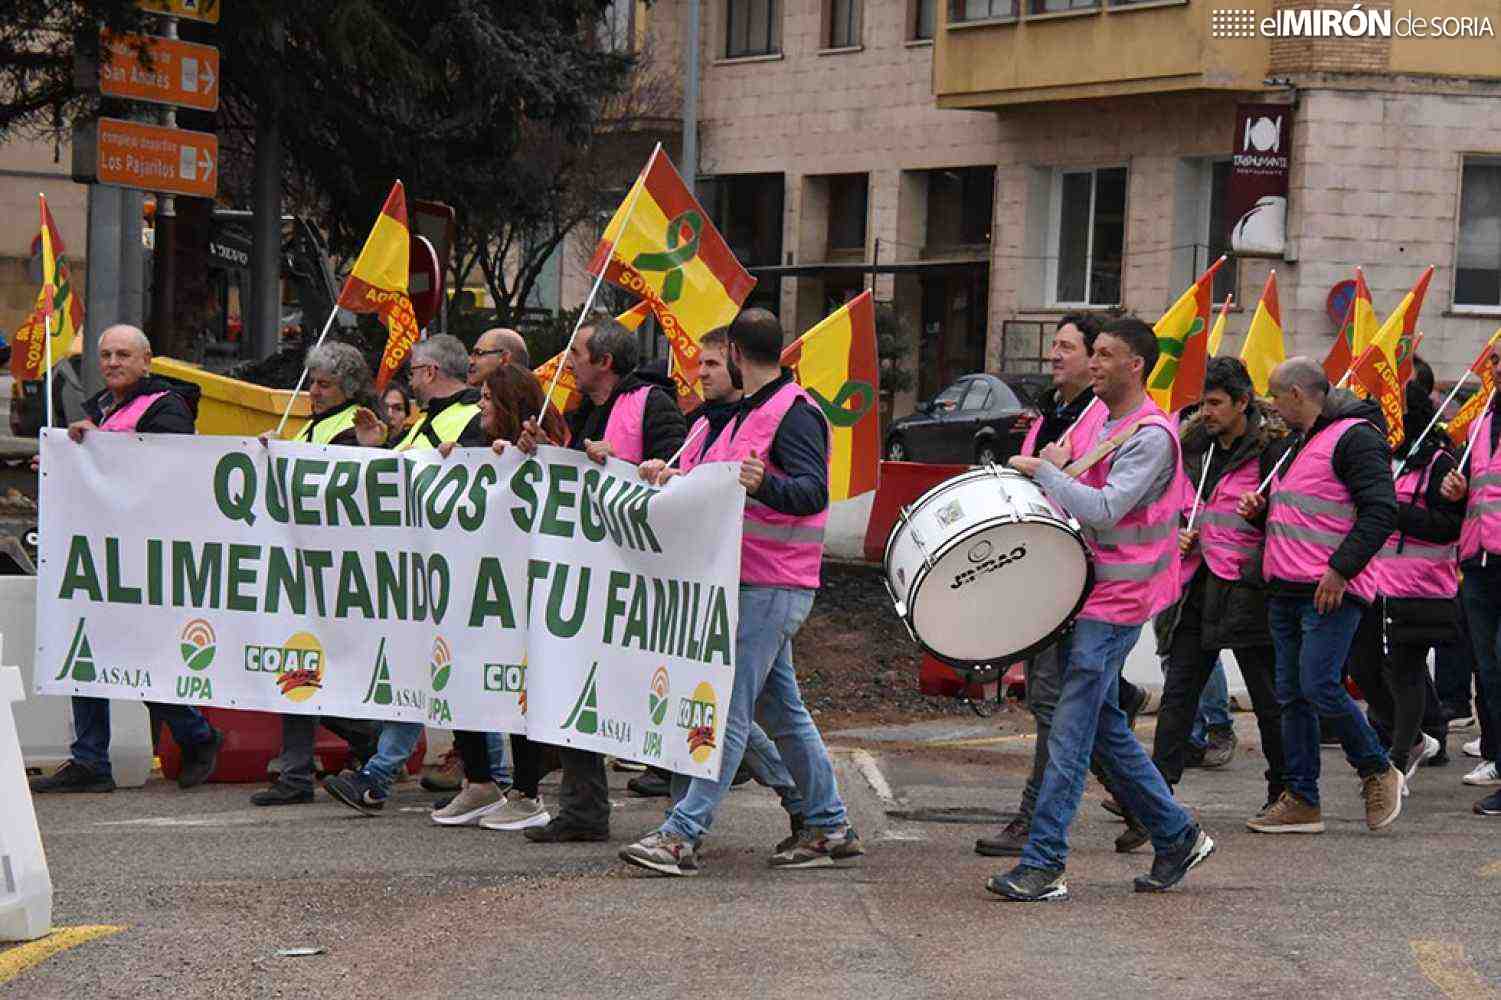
x,y
45,724
1143,668
25,883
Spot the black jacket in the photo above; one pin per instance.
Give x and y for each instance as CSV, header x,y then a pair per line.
x,y
174,413
662,425
1234,611
1363,462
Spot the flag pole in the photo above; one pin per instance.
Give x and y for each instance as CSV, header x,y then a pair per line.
x,y
292,400
598,281
1397,469
692,433
1475,432
1273,474
47,329
1077,420
1203,478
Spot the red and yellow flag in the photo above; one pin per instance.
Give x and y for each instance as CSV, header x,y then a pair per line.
x,y
1217,335
1459,427
1375,376
1396,336
1264,348
1183,340
378,283
836,363
56,306
1355,333
661,246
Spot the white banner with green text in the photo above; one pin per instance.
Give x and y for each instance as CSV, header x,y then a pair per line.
x,y
548,596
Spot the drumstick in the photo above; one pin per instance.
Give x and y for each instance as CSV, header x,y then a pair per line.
x,y
1203,478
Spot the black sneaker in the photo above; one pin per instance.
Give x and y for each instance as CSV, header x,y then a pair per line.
x,y
1193,755
1029,885
356,791
1490,805
790,841
654,784
1132,837
1008,843
73,777
282,795
561,831
199,761
1134,709
1169,867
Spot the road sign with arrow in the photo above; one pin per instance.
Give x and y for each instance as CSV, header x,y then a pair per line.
x,y
149,157
171,71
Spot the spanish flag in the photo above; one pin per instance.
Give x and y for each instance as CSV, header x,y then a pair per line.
x,y
1375,376
1395,338
1217,335
1183,338
836,363
1264,348
56,304
378,283
661,246
1459,428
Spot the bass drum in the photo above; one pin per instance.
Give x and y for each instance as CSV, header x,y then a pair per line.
x,y
983,569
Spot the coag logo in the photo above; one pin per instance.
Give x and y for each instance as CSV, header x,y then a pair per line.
x,y
198,644
699,715
508,678
657,697
585,715
440,666
298,664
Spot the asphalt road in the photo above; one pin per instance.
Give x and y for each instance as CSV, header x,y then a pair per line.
x,y
208,889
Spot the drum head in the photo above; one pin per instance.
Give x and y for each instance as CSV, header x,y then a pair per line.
x,y
999,593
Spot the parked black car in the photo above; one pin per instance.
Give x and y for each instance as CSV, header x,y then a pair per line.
x,y
979,419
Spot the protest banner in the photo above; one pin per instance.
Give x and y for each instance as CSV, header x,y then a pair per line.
x,y
548,596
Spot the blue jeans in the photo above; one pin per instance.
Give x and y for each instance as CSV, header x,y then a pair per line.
x,y
766,766
500,766
1311,650
397,741
91,730
1481,594
1088,720
765,687
1214,707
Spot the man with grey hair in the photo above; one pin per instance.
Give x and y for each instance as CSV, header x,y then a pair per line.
x,y
450,414
493,350
1330,509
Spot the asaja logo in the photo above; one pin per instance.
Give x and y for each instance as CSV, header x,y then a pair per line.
x,y
699,715
79,665
298,664
381,691
585,715
198,644
656,697
440,665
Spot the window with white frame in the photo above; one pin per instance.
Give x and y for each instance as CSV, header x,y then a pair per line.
x,y
751,28
1058,6
1087,236
981,10
924,19
844,24
1477,259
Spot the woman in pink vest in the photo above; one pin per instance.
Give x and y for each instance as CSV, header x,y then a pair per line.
x,y
1329,511
1127,500
1416,606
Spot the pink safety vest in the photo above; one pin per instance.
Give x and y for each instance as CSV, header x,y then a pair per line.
x,y
1136,561
693,454
126,417
1227,540
1309,514
1090,421
1411,567
1482,525
776,550
623,431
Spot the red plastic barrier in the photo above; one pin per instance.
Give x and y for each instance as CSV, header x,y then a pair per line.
x,y
900,484
252,739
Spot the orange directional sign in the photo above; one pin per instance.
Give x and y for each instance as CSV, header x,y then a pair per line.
x,y
149,157
180,73
197,10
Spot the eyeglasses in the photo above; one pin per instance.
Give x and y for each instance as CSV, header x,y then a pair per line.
x,y
417,368
485,354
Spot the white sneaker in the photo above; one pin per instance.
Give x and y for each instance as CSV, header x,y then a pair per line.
x,y
474,801
1415,761
1472,748
1485,774
1462,723
516,813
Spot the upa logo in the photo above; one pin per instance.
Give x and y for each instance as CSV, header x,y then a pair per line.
x,y
80,666
380,690
658,699
197,643
298,664
439,669
699,715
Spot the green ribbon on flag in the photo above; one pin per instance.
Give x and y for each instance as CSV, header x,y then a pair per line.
x,y
672,260
836,409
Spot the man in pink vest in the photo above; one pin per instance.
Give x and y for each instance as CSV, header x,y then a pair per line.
x,y
133,402
1330,509
628,418
1126,497
780,441
1229,446
1479,485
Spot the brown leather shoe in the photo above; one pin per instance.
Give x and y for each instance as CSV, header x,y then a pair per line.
x,y
1289,814
1006,844
1383,797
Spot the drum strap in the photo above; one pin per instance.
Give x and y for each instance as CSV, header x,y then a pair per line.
x,y
1093,457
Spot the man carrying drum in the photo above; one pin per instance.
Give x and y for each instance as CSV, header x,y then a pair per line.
x,y
1126,498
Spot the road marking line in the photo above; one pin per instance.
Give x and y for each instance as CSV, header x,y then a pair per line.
x,y
984,741
1443,964
865,763
14,961
1492,870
